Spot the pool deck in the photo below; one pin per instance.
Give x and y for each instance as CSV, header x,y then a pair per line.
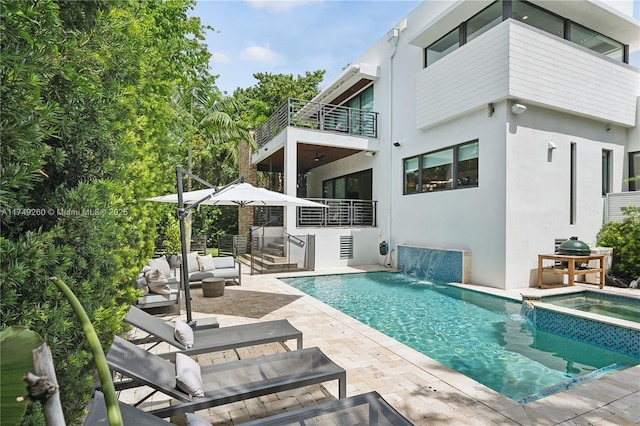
x,y
423,390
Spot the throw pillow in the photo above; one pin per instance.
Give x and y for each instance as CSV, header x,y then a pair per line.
x,y
183,334
192,262
188,375
206,263
195,420
158,288
155,276
157,282
161,264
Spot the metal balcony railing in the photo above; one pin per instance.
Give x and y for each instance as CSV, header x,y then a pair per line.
x,y
339,213
318,116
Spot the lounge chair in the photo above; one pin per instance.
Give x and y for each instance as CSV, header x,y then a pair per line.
x,y
365,409
215,339
130,415
225,382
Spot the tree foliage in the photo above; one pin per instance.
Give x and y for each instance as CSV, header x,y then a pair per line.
x,y
624,238
88,132
263,99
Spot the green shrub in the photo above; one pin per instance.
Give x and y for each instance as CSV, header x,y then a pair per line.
x,y
624,238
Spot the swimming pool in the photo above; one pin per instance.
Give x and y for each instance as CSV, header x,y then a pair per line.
x,y
599,303
482,336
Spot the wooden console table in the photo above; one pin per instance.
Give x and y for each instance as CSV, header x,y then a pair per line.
x,y
571,269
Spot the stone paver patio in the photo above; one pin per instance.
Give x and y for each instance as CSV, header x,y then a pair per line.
x,y
423,390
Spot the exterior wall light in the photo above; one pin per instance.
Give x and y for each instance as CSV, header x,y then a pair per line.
x,y
518,109
396,144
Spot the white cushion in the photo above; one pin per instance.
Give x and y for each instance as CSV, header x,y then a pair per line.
x,y
161,264
224,262
195,420
192,262
183,334
206,263
157,282
188,375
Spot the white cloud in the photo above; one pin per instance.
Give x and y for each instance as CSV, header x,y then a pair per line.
x,y
262,53
220,58
278,5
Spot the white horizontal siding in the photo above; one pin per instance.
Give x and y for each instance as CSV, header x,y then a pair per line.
x,y
516,61
616,201
466,79
552,72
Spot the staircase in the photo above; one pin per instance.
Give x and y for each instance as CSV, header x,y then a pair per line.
x,y
271,259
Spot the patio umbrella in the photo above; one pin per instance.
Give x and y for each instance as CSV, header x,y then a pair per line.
x,y
240,194
236,193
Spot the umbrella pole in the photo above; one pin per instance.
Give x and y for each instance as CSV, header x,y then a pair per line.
x,y
184,270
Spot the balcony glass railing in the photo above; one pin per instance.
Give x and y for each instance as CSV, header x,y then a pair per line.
x,y
318,116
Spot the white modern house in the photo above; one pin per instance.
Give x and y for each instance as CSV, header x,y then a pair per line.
x,y
487,128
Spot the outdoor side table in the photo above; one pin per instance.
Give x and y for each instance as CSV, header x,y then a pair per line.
x,y
213,287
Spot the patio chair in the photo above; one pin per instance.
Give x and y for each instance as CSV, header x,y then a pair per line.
x,y
220,383
365,409
214,339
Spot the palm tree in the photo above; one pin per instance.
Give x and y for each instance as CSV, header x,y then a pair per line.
x,y
211,132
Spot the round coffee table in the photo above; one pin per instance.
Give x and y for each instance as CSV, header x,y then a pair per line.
x,y
213,287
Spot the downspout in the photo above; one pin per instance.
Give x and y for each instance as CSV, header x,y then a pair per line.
x,y
392,37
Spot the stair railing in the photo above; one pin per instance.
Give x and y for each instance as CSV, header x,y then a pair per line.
x,y
255,241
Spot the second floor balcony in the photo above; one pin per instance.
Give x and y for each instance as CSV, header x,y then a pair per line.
x,y
318,116
340,213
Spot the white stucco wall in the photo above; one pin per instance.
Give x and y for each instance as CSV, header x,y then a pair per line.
x,y
522,202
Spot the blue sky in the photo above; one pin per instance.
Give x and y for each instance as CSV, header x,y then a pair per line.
x,y
292,37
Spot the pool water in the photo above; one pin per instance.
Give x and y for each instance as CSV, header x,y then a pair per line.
x,y
481,336
613,306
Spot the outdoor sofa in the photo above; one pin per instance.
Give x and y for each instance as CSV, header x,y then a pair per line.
x,y
201,267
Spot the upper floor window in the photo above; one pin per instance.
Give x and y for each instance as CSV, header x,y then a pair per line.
x,y
529,14
355,186
450,168
443,47
597,42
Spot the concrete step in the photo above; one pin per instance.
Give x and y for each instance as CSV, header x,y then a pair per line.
x,y
263,265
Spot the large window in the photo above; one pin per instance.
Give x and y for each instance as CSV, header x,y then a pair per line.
x,y
529,14
442,47
356,186
634,171
450,168
596,42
